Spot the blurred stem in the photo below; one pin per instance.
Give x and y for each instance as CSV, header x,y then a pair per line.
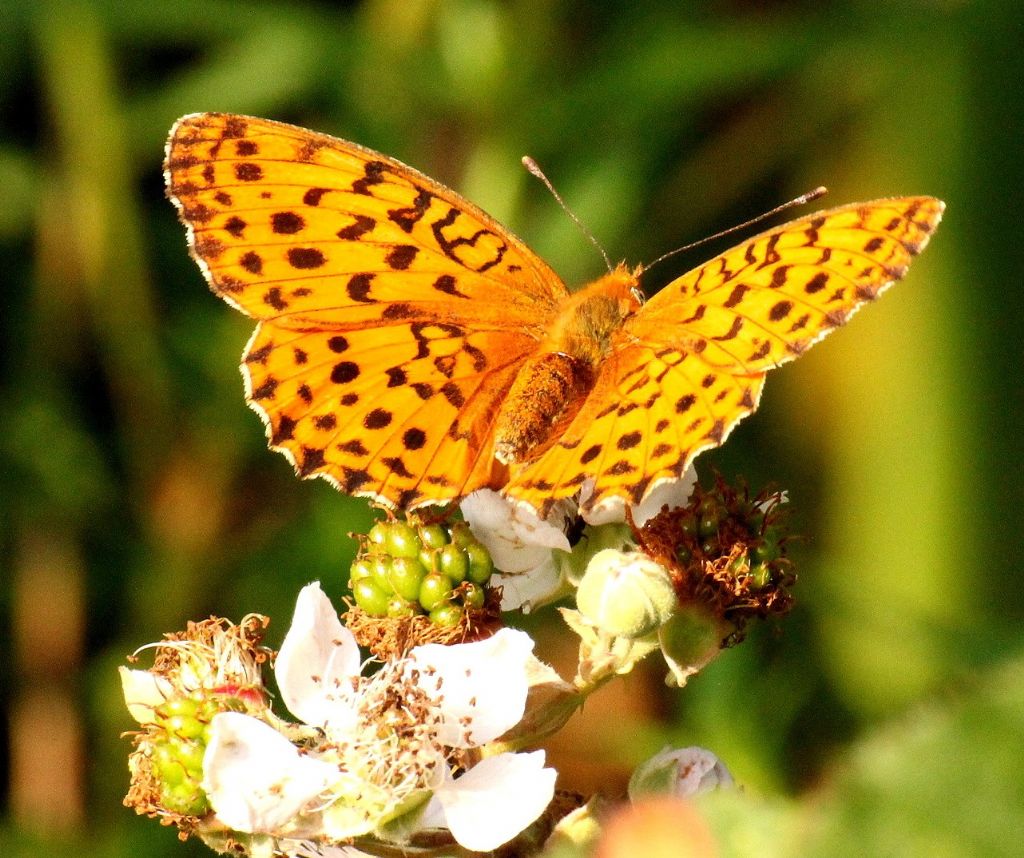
x,y
90,235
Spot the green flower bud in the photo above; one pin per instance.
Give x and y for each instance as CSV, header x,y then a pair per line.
x,y
626,594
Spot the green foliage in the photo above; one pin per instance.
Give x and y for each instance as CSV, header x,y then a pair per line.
x,y
136,491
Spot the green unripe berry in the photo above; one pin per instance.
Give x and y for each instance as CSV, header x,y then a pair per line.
x,y
481,567
435,590
371,597
377,536
710,548
187,799
380,571
170,769
461,534
766,552
184,726
453,563
190,756
708,525
473,595
430,559
684,555
433,536
187,706
761,576
689,526
446,616
399,607
406,575
360,568
402,540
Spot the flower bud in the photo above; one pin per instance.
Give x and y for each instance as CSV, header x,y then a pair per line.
x,y
626,594
683,772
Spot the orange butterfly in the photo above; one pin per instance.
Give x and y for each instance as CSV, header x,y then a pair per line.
x,y
411,349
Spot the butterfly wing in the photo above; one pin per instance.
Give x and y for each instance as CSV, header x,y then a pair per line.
x,y
691,363
392,313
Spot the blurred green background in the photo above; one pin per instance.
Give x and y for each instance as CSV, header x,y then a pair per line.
x,y
885,716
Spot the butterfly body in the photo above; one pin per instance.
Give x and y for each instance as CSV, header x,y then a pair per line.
x,y
411,349
552,385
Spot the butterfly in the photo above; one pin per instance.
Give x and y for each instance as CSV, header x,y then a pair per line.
x,y
410,349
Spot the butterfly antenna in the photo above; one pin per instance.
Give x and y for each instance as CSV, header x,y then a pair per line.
x,y
534,168
803,199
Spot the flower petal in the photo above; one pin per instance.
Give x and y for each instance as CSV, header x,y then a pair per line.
x,y
496,799
671,492
256,780
317,659
529,590
480,687
516,537
143,692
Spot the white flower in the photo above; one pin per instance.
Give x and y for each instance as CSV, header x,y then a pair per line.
x,y
522,546
388,741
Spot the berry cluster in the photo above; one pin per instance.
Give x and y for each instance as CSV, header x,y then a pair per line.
x,y
716,525
176,760
727,549
407,570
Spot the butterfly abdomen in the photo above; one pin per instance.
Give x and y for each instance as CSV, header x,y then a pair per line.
x,y
547,393
553,385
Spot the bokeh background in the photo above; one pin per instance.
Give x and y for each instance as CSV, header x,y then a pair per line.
x,y
885,716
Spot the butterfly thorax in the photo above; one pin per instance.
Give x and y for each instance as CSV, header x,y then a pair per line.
x,y
554,383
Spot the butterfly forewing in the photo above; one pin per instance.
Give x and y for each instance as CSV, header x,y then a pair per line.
x,y
394,313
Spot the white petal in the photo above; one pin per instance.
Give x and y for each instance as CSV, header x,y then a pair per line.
x,y
496,799
480,687
529,590
673,492
317,660
257,780
143,692
517,539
